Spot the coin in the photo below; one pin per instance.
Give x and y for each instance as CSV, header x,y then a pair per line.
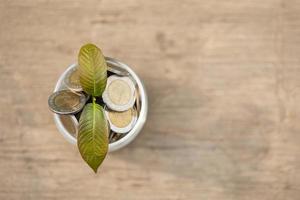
x,y
70,123
72,80
137,101
117,70
121,122
119,94
66,102
113,137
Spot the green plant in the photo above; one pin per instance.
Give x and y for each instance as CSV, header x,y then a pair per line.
x,y
92,140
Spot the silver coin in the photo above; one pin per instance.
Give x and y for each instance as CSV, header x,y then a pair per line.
x,y
137,101
119,94
113,137
117,70
72,80
66,102
121,122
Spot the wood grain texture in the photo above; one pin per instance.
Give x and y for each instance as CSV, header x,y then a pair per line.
x,y
224,89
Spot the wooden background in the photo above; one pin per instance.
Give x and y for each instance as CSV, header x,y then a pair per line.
x,y
223,79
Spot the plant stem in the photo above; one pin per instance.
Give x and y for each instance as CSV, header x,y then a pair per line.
x,y
94,99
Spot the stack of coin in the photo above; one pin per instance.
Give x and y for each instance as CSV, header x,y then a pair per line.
x,y
120,100
119,97
70,100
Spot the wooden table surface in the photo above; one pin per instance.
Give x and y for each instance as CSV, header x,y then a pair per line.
x,y
223,79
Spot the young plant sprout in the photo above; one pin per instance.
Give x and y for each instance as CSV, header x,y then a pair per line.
x,y
90,76
92,140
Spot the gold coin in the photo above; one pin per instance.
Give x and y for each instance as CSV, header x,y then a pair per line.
x,y
72,80
119,94
121,122
66,102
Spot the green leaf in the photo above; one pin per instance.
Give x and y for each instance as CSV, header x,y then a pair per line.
x,y
92,139
92,70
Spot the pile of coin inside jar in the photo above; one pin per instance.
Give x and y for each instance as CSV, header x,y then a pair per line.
x,y
120,101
